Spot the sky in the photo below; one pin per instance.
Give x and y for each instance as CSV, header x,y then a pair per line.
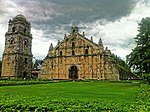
x,y
115,21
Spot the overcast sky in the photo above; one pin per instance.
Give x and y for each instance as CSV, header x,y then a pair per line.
x,y
115,21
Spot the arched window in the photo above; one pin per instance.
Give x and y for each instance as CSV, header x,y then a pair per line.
x,y
73,44
13,29
60,53
25,30
86,51
25,42
73,52
11,41
26,61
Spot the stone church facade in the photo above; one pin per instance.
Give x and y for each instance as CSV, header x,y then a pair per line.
x,y
77,57
17,55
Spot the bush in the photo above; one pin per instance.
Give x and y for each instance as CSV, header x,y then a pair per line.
x,y
22,82
146,77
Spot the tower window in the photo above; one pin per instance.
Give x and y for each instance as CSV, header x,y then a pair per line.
x,y
25,42
11,41
73,52
13,29
25,30
73,44
60,53
26,61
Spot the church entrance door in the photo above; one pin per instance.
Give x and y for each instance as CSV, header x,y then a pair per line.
x,y
73,72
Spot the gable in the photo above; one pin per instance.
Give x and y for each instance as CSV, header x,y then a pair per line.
x,y
77,41
76,44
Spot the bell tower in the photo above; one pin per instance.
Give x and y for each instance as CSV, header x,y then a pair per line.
x,y
17,55
74,30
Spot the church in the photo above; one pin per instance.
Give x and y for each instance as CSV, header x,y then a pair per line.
x,y
77,57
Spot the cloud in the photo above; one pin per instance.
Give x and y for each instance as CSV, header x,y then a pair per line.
x,y
115,21
36,13
39,11
119,35
89,10
1,8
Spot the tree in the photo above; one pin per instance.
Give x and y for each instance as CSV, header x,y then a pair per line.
x,y
139,58
120,62
37,64
123,68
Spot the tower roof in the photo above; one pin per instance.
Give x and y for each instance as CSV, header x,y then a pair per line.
x,y
19,17
74,29
100,42
51,47
107,51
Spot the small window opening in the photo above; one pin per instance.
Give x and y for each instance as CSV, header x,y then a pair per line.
x,y
60,53
25,61
25,42
86,51
73,44
25,30
13,29
73,52
11,41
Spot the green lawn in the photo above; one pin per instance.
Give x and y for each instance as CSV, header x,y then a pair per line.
x,y
70,96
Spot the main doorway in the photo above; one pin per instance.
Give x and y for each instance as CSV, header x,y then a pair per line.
x,y
73,72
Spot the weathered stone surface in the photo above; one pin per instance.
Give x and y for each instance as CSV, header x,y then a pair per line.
x,y
77,57
17,55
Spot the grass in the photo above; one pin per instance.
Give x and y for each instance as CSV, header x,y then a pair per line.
x,y
76,90
77,96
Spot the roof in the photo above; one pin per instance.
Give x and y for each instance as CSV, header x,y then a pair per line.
x,y
34,72
74,31
19,17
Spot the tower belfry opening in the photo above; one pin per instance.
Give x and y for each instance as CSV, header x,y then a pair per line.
x,y
74,30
